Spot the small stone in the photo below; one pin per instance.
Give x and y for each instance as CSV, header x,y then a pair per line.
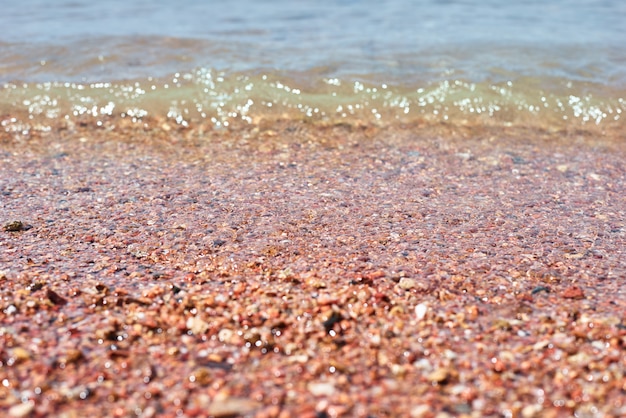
x,y
379,274
540,345
321,388
72,356
531,411
420,311
15,226
419,411
225,335
231,406
19,354
196,325
573,292
202,376
22,409
579,359
439,376
383,358
55,298
449,354
498,365
540,289
407,283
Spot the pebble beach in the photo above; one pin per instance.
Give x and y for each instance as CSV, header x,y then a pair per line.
x,y
314,270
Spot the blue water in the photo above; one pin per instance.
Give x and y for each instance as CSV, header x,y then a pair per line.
x,y
563,60
575,38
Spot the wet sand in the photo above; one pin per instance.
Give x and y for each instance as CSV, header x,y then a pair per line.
x,y
298,270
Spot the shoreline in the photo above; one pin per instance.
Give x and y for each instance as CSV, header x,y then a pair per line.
x,y
295,270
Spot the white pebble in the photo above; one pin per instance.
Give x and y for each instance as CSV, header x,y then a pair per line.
x,y
419,411
22,409
407,283
225,335
197,325
420,311
321,388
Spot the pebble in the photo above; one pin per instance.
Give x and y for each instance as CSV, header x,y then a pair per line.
x,y
231,406
321,388
573,292
420,311
420,411
22,409
19,354
197,325
15,226
225,335
439,375
407,283
530,411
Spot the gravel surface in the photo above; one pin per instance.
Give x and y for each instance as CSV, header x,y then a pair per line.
x,y
312,271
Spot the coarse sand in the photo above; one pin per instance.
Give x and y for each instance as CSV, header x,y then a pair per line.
x,y
297,270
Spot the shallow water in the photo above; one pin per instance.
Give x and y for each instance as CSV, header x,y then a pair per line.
x,y
550,66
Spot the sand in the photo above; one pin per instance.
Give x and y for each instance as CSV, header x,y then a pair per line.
x,y
300,270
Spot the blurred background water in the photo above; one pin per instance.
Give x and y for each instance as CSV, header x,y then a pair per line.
x,y
377,58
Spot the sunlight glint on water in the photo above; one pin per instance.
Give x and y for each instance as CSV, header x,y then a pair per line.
x,y
546,65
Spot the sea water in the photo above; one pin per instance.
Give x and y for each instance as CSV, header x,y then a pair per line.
x,y
551,65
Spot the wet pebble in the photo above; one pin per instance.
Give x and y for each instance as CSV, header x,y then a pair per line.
x,y
16,226
55,298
